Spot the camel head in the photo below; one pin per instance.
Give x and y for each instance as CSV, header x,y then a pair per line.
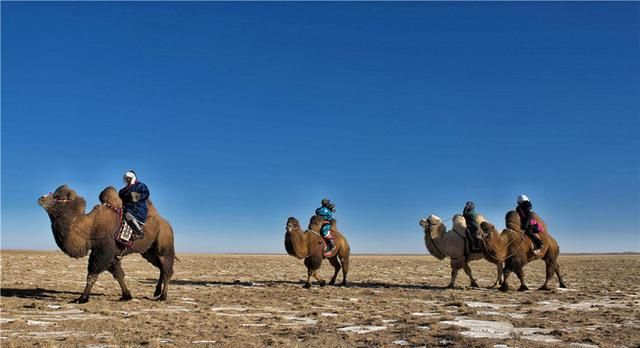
x,y
62,201
110,196
433,226
292,225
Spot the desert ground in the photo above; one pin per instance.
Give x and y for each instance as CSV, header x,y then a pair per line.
x,y
258,300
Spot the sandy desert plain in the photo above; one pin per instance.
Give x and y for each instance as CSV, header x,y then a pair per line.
x,y
258,300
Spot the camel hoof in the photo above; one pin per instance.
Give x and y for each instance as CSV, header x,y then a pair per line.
x,y
307,286
162,298
523,288
81,299
504,288
344,284
450,286
474,285
322,283
126,297
333,282
157,293
562,285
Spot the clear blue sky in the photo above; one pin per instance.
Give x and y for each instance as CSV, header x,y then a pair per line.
x,y
238,115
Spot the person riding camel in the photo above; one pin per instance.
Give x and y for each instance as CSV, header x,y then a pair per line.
x,y
470,216
134,201
529,224
326,212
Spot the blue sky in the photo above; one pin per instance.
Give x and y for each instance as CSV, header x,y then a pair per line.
x,y
238,115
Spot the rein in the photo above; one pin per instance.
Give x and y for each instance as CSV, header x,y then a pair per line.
x,y
433,241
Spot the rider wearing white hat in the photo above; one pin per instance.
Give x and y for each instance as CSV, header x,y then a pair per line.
x,y
529,225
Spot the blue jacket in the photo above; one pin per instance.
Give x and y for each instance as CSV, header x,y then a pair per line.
x,y
325,213
138,209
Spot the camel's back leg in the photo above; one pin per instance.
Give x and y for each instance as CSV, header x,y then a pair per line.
x,y
166,264
118,273
557,270
345,269
336,266
152,257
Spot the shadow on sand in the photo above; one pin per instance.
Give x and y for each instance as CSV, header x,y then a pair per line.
x,y
366,285
39,293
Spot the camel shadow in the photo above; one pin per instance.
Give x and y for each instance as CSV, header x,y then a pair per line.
x,y
38,293
263,283
213,283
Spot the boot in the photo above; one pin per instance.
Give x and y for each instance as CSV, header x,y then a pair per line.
x,y
137,226
330,246
474,243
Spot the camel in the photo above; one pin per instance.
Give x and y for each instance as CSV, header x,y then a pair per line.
x,y
77,233
517,250
451,244
309,245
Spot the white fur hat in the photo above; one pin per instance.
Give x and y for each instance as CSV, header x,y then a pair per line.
x,y
130,174
522,198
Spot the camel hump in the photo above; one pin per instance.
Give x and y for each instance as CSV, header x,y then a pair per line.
x,y
110,196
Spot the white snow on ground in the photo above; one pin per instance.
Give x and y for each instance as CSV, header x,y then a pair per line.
x,y
499,329
362,329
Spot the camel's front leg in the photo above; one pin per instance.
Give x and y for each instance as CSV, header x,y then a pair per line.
x,y
118,273
467,270
91,279
307,285
455,267
499,271
505,284
320,281
520,273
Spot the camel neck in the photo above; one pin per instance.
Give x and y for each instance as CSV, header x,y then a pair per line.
x,y
297,241
73,233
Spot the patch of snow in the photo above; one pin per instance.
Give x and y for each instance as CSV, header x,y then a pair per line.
x,y
401,342
203,341
475,304
7,320
54,306
301,321
583,345
424,314
39,323
362,329
325,314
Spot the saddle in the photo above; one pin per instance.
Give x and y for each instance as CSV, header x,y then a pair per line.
x,y
124,233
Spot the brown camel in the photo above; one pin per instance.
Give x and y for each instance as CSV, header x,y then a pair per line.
x,y
77,233
442,244
309,245
517,250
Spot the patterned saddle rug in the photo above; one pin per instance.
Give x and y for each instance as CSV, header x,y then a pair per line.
x,y
124,233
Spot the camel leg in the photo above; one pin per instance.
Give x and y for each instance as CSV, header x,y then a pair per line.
x,y
91,279
336,266
520,273
345,269
499,270
320,281
166,272
307,285
550,267
467,270
118,273
152,257
557,270
455,267
505,285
